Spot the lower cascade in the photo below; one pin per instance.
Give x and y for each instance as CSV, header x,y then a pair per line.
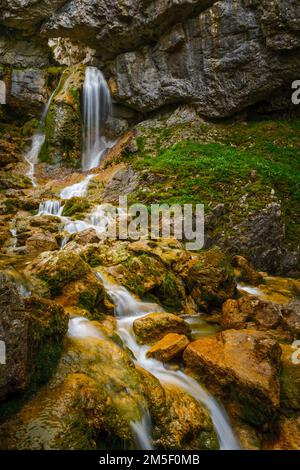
x,y
128,309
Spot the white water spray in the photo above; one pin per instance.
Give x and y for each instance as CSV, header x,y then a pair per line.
x,y
37,141
97,109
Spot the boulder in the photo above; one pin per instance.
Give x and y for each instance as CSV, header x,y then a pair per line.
x,y
40,242
155,326
246,272
288,434
240,366
251,312
169,347
237,313
289,379
33,331
208,277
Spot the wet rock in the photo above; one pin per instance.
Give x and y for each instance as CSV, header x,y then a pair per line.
x,y
209,278
155,326
95,391
246,272
169,347
33,331
241,366
190,426
289,379
237,313
146,275
178,420
63,123
40,242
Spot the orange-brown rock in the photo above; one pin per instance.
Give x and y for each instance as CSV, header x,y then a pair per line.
x,y
289,379
154,326
245,271
288,434
240,365
169,347
237,313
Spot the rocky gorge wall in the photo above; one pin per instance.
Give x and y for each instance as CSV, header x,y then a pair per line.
x,y
223,56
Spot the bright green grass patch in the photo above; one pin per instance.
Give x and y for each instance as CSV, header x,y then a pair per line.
x,y
248,161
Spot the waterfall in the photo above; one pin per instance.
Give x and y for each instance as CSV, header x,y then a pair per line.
x,y
97,107
51,207
38,140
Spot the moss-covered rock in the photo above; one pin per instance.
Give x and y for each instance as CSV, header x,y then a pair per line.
x,y
209,278
76,207
63,123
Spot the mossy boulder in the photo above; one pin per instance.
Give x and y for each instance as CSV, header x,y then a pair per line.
x,y
146,275
63,122
57,269
96,390
241,366
209,278
33,330
76,207
289,379
70,280
154,326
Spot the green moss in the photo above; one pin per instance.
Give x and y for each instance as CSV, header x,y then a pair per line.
x,y
241,161
76,207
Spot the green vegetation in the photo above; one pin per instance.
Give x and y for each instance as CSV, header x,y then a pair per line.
x,y
76,207
243,166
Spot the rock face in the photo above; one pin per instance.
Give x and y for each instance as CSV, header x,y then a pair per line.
x,y
224,56
14,329
241,366
64,123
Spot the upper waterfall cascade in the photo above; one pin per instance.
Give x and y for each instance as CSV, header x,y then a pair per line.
x,y
97,108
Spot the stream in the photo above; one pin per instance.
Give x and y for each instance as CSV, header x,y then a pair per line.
x,y
97,108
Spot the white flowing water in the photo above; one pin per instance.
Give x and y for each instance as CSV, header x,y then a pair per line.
x,y
128,309
250,290
80,327
97,108
77,189
32,155
51,207
37,141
